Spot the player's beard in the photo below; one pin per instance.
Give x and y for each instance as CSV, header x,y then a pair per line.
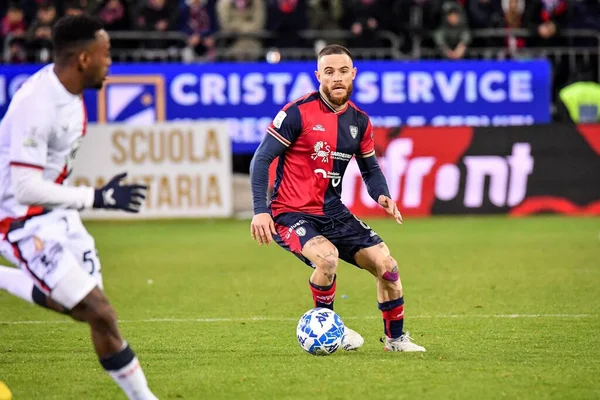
x,y
338,101
96,84
94,81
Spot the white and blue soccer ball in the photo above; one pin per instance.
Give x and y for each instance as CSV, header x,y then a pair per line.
x,y
320,331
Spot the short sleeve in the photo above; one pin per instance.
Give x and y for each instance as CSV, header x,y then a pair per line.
x,y
367,144
287,125
29,135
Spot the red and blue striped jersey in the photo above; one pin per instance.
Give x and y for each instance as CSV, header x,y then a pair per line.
x,y
319,143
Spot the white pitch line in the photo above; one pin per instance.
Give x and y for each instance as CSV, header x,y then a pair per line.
x,y
281,319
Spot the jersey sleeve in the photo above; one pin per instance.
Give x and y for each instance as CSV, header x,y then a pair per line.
x,y
287,125
29,135
367,144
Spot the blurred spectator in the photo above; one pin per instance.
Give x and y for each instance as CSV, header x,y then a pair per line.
x,y
513,19
242,17
39,34
429,12
513,13
415,18
200,24
30,8
285,19
325,14
545,18
485,14
453,37
13,29
114,15
15,52
13,23
365,18
156,15
74,7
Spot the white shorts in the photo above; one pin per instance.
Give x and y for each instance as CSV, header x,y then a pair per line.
x,y
67,268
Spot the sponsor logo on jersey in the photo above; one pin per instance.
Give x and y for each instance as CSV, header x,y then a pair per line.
x,y
322,151
335,177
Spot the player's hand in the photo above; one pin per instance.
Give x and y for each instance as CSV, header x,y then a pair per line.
x,y
391,207
262,228
122,197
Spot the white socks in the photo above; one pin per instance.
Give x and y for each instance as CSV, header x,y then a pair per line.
x,y
17,283
132,380
126,371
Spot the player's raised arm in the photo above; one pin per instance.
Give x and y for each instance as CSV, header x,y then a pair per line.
x,y
28,161
281,133
372,175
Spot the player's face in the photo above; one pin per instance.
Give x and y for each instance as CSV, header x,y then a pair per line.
x,y
335,74
96,61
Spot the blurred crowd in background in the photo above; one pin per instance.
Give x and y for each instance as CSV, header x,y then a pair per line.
x,y
249,26
565,31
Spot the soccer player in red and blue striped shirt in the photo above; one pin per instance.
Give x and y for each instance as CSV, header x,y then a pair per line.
x,y
315,137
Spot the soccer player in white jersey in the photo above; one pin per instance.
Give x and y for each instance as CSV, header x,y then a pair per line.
x,y
40,227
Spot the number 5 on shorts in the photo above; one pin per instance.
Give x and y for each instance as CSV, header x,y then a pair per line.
x,y
87,258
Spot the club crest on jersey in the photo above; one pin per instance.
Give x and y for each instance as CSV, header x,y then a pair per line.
x,y
301,231
322,150
353,131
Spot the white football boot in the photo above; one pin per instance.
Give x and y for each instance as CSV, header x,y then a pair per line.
x,y
403,343
351,340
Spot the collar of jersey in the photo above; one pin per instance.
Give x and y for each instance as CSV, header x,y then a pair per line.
x,y
61,90
330,107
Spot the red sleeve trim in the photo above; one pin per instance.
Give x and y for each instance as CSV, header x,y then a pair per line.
x,y
26,165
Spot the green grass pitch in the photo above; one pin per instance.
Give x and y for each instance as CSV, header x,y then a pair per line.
x,y
507,308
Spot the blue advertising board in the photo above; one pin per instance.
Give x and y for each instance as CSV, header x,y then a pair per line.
x,y
249,95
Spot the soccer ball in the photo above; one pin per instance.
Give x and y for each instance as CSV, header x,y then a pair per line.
x,y
320,331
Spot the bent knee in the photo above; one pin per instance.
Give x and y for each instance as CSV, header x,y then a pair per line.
x,y
325,258
96,309
388,273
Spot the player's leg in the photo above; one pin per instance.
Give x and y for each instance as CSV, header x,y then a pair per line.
x,y
14,280
324,258
114,353
59,274
360,245
300,234
19,283
390,296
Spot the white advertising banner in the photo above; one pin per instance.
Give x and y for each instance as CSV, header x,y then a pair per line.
x,y
187,167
